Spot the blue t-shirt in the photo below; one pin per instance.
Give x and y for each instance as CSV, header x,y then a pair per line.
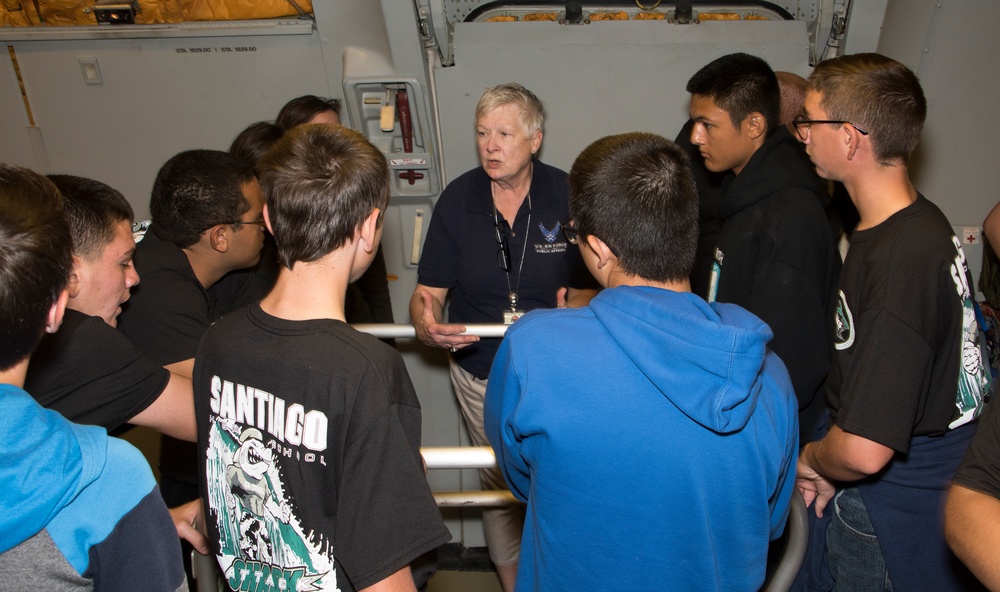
x,y
78,508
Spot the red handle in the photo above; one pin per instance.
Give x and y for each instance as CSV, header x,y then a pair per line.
x,y
405,126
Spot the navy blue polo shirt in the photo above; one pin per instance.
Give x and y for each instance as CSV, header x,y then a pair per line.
x,y
460,254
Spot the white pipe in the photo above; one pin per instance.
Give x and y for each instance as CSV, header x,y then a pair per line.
x,y
465,457
459,457
433,60
451,499
383,331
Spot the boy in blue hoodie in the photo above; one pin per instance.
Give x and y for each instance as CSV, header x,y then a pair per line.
x,y
627,424
78,510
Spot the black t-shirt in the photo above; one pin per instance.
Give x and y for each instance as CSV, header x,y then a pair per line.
x,y
166,316
907,357
460,253
309,433
908,374
169,309
92,374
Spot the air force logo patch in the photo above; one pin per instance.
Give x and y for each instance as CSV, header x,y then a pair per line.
x,y
550,235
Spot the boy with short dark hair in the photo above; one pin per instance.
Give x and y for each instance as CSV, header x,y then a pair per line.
x,y
78,510
309,431
206,207
114,384
622,423
775,254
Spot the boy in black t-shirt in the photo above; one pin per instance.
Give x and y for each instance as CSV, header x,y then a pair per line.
x,y
908,377
309,431
111,384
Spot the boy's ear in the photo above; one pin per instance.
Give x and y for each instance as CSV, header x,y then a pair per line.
x,y
267,219
853,139
218,237
75,279
601,249
56,312
369,230
756,124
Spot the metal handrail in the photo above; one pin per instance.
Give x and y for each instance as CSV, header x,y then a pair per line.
x,y
459,457
402,330
465,457
797,531
488,498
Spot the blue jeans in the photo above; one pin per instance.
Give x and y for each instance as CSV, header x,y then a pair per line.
x,y
853,552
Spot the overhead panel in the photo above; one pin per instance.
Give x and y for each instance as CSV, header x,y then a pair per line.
x,y
598,77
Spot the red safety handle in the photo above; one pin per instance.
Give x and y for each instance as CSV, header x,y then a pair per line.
x,y
405,126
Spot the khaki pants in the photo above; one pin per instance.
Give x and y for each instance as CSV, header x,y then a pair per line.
x,y
502,526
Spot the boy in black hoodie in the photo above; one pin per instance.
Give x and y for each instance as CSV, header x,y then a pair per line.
x,y
775,254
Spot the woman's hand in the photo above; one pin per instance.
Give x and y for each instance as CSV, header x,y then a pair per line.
x,y
429,330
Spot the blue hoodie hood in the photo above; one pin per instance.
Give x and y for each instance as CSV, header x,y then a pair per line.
x,y
722,347
45,461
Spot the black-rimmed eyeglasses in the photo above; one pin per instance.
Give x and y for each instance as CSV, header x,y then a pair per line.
x,y
803,125
259,222
503,253
571,232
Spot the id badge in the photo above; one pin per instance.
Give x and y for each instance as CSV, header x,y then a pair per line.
x,y
509,316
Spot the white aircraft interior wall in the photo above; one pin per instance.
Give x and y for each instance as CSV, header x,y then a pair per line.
x,y
597,79
952,46
154,100
156,97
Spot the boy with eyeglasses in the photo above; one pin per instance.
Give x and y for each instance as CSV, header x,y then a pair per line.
x,y
206,207
774,253
623,424
908,376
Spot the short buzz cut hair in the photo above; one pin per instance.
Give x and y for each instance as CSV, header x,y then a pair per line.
x,y
636,192
93,210
196,190
321,181
879,95
512,93
36,253
740,84
302,109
